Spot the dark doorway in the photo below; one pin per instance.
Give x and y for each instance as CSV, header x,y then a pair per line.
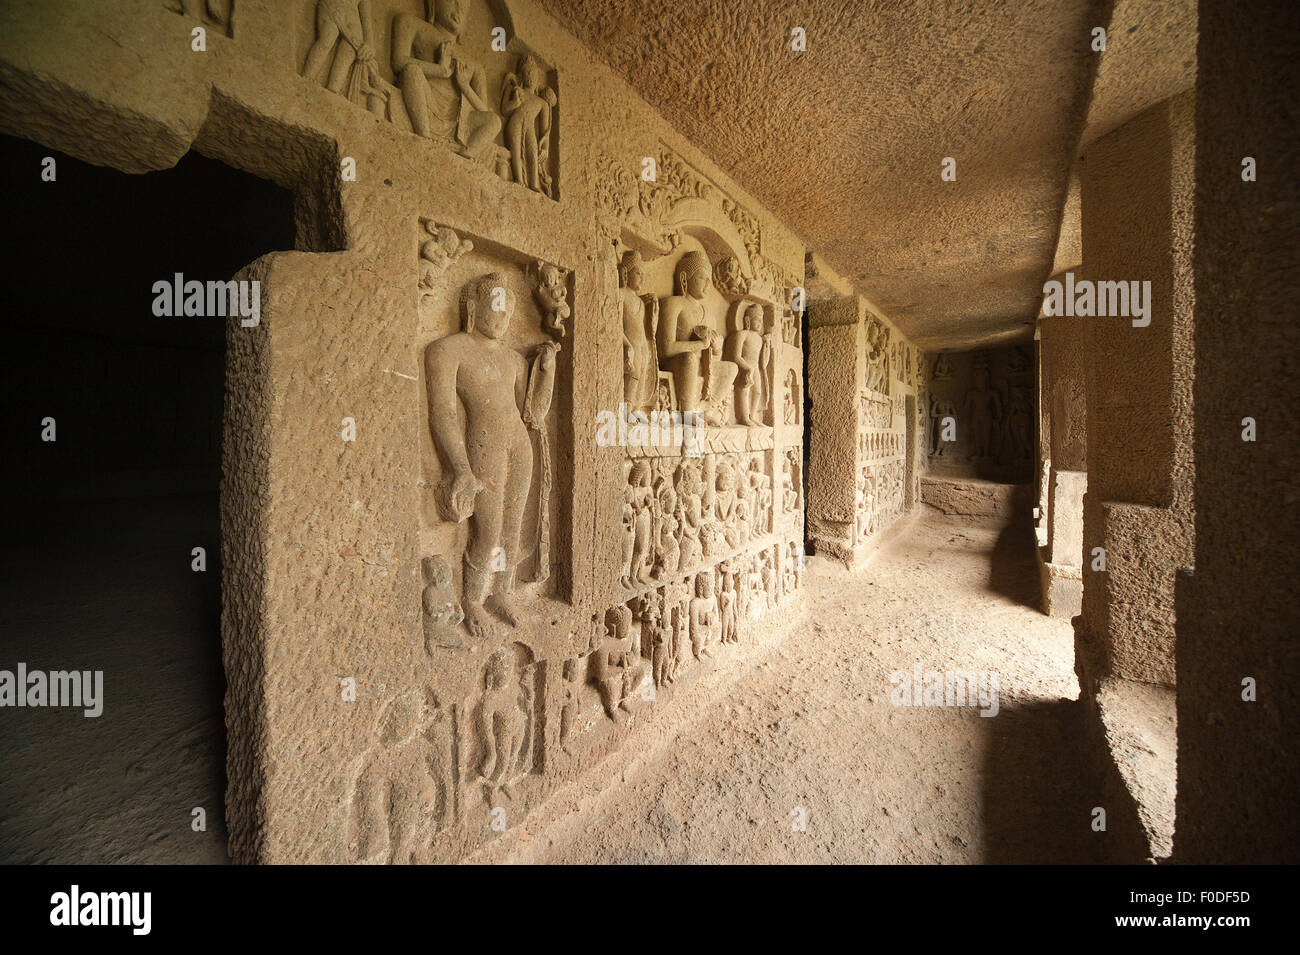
x,y
102,522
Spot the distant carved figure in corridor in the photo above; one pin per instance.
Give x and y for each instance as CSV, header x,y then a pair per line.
x,y
983,410
1019,411
940,408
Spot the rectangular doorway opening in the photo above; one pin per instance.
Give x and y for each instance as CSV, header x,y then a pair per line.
x,y
114,474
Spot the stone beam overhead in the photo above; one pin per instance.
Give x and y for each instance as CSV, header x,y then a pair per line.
x,y
1150,57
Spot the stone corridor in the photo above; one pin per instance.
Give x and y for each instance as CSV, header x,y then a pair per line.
x,y
806,722
504,431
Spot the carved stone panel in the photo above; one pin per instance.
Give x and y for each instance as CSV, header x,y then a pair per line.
x,y
493,331
681,512
454,73
880,498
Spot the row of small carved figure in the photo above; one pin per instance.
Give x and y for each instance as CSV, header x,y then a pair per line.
x,y
407,785
879,497
877,444
649,636
678,511
439,89
875,412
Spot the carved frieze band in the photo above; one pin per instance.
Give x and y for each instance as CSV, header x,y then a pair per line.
x,y
455,76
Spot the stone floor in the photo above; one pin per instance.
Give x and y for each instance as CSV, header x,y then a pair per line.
x,y
804,722
807,724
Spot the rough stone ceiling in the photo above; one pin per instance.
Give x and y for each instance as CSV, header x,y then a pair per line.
x,y
1151,57
844,142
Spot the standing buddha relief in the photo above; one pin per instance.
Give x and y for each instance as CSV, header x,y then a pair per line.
x,y
527,102
487,402
640,315
744,348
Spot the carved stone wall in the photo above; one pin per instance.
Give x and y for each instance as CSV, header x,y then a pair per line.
x,y
991,397
430,624
865,468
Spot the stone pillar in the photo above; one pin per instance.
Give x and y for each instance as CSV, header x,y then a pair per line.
x,y
1063,373
1137,225
1042,441
1239,761
834,376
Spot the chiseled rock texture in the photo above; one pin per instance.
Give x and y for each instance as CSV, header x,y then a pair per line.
x,y
1137,225
367,722
1239,762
